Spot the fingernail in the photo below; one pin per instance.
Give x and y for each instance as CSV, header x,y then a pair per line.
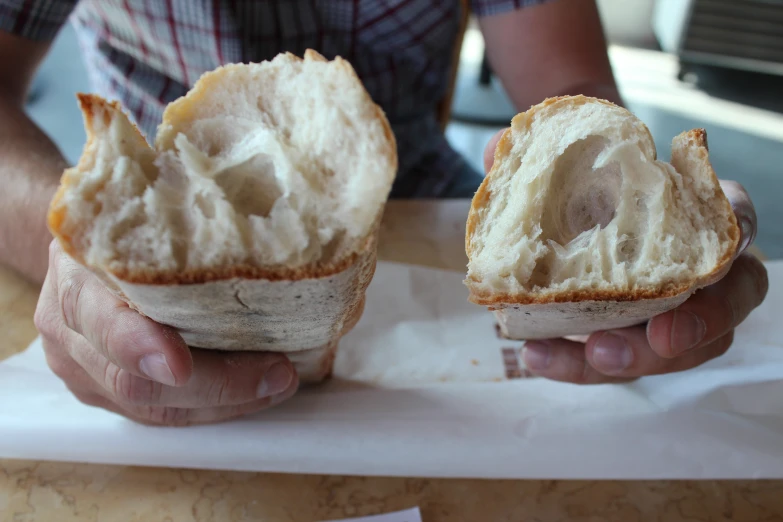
x,y
276,380
688,330
537,355
281,397
611,354
746,229
156,368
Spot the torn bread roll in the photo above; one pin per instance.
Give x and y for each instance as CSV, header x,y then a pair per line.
x,y
579,228
252,224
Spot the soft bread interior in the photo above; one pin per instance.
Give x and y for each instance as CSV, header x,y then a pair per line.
x,y
280,164
577,206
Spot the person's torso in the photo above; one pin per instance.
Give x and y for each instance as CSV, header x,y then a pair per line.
x,y
401,49
147,53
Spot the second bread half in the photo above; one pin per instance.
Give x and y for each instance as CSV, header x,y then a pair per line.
x,y
578,227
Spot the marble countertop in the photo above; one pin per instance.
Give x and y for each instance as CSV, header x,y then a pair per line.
x,y
424,233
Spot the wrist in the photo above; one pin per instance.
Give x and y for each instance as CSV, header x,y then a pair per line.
x,y
604,91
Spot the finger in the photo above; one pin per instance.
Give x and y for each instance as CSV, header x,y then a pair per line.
x,y
744,210
171,416
123,336
63,365
489,150
562,360
56,337
711,312
47,318
218,379
90,392
626,353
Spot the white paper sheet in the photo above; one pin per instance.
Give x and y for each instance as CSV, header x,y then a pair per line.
x,y
409,515
422,391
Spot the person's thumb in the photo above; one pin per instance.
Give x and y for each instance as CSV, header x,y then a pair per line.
x,y
744,210
489,150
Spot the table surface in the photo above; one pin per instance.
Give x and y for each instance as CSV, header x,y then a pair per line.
x,y
423,233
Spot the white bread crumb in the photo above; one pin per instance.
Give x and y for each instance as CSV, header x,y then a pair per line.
x,y
576,204
285,164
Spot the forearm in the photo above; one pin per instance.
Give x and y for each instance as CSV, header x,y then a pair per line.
x,y
553,49
605,91
30,168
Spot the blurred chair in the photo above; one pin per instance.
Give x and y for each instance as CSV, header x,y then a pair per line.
x,y
734,34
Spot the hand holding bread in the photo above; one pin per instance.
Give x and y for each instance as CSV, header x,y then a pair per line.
x,y
207,276
114,358
568,258
252,223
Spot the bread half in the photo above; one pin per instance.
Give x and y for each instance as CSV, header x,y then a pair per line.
x,y
579,228
252,223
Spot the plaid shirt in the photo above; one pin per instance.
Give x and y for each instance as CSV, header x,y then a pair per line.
x,y
146,53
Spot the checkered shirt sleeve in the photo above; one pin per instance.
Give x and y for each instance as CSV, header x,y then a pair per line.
x,y
494,7
35,19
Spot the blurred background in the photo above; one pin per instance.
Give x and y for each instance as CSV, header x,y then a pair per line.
x,y
680,64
